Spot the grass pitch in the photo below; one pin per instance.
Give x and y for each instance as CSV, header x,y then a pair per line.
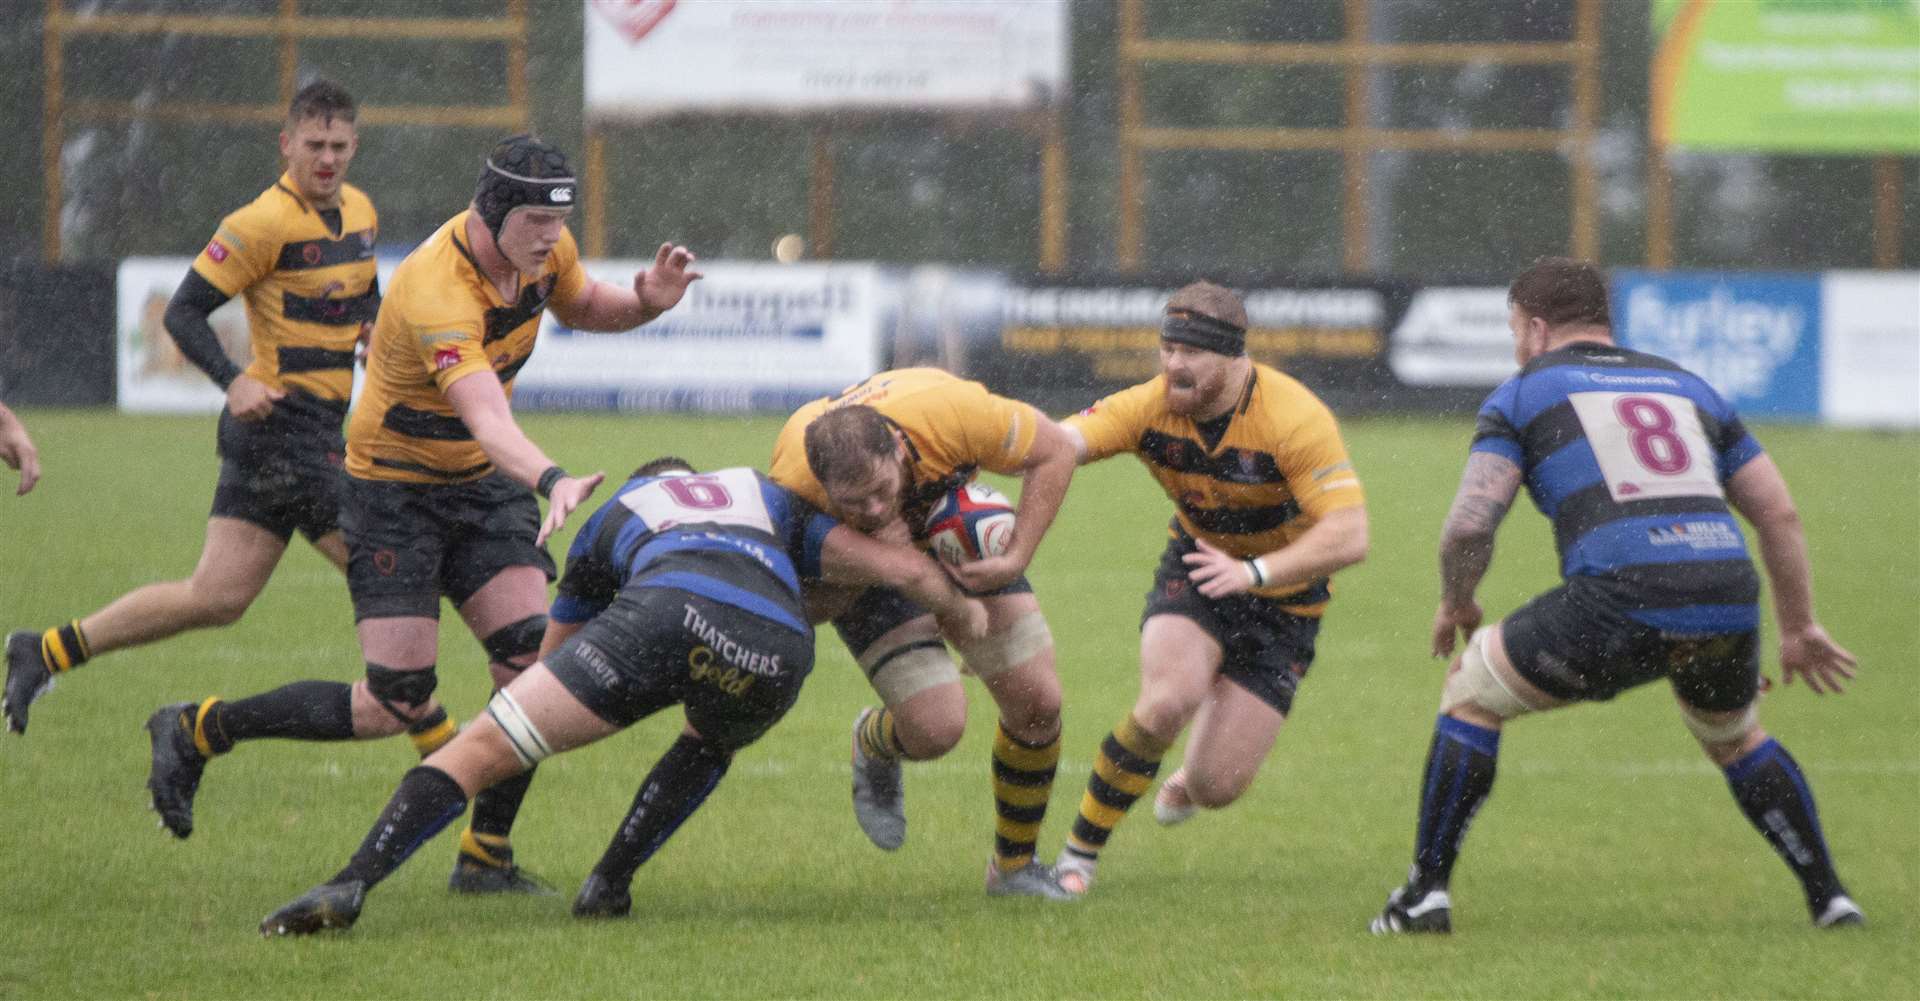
x,y
1610,862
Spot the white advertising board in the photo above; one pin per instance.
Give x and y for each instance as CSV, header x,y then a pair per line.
x,y
1870,340
653,57
1453,337
748,336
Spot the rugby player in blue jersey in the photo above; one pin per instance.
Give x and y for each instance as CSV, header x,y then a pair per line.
x,y
1636,461
682,589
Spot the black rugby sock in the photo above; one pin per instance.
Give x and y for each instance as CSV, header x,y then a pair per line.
x,y
427,801
1772,792
1459,776
494,810
678,784
303,710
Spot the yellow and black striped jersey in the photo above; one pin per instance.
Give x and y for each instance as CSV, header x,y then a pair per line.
x,y
307,288
954,428
443,320
1279,468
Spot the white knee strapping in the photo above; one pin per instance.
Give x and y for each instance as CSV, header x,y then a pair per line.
x,y
1724,732
1477,683
525,740
899,674
1000,652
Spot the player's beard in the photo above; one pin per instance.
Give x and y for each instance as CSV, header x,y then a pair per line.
x,y
1192,395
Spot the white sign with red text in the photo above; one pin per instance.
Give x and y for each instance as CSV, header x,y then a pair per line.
x,y
653,57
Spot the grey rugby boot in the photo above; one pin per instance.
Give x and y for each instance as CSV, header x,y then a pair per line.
x,y
177,764
878,799
27,679
329,906
1031,880
1430,912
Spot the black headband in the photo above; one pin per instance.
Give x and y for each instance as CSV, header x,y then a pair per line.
x,y
500,191
1205,333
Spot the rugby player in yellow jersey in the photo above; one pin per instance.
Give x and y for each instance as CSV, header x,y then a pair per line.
x,y
889,448
1267,508
441,481
301,257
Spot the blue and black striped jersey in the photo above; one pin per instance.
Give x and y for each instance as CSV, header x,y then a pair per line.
x,y
1628,453
733,536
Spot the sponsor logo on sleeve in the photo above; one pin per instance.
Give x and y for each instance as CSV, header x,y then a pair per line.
x,y
445,358
217,251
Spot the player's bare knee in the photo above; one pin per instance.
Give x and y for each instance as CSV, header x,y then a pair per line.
x,y
1164,713
1034,719
931,723
1211,791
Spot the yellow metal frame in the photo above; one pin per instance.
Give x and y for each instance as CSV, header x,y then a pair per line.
x,y
290,26
1356,139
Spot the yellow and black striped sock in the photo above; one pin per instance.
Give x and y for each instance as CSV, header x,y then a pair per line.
x,y
64,648
432,731
1129,759
1022,783
494,850
877,738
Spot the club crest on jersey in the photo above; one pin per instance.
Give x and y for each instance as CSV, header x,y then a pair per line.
x,y
310,253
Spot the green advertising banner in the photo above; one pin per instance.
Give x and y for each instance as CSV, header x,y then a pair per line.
x,y
1790,76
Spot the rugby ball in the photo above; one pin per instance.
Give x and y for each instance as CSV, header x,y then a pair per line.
x,y
971,522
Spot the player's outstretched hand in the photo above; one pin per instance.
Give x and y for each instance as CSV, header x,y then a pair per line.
x,y
1452,624
17,451
1216,572
990,573
1813,655
250,399
661,286
569,493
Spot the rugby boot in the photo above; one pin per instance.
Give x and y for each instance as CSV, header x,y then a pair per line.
x,y
27,679
1838,912
1074,872
1172,804
472,875
1030,880
599,898
329,906
879,803
177,764
1411,911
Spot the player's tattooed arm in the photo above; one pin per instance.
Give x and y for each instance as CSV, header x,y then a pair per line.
x,y
1487,489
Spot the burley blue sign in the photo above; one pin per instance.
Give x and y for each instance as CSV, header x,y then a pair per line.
x,y
1755,338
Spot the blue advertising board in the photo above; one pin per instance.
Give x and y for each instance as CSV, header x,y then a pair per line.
x,y
1754,337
